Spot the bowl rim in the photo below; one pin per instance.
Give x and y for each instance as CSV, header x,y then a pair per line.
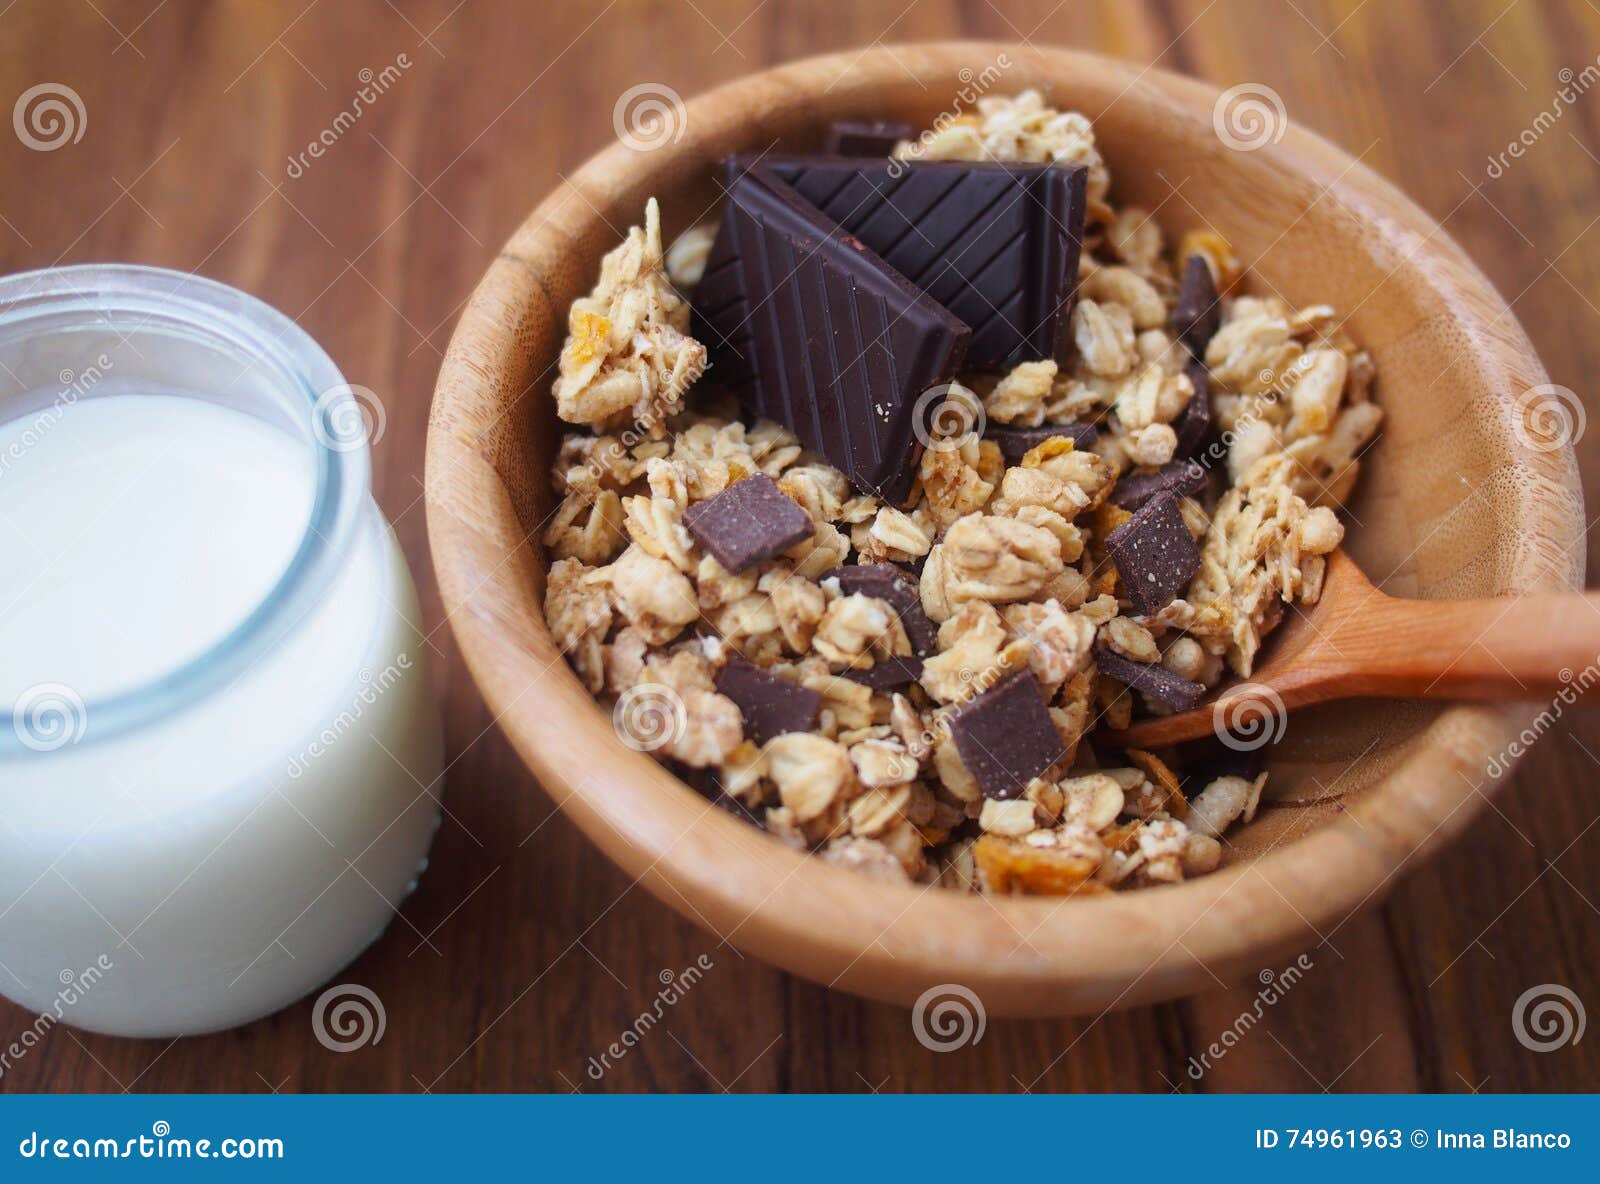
x,y
1022,955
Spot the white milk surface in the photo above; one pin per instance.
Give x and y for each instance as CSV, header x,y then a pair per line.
x,y
238,852
138,532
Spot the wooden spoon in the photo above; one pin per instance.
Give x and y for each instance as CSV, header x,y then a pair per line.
x,y
1356,641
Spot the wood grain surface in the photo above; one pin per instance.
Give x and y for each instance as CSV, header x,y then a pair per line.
x,y
524,954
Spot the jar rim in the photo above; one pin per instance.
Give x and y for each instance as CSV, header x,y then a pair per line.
x,y
262,337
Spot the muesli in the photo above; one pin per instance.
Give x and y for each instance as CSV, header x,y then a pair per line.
x,y
897,652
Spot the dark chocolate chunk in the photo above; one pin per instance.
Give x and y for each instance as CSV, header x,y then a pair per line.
x,y
896,588
1199,312
1194,421
1181,478
708,784
1015,443
747,522
806,325
851,137
1154,553
1218,760
887,673
771,704
996,244
1154,680
1005,736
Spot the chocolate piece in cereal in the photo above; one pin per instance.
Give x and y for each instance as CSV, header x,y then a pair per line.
x,y
1199,311
1193,424
1015,443
770,704
813,329
995,243
887,673
1005,736
747,523
1181,478
854,137
1155,554
899,591
1153,679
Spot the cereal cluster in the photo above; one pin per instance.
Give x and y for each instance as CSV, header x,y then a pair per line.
x,y
1007,563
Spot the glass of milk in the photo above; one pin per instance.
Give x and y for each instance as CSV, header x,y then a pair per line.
x,y
219,752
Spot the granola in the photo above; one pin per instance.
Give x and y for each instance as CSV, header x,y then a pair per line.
x,y
1006,564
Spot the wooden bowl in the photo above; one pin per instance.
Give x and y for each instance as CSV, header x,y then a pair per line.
x,y
1451,505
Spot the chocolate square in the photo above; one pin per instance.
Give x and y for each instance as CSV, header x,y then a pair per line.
x,y
807,326
896,588
854,137
1181,478
750,521
1157,681
1199,311
1005,736
1154,553
996,243
1015,443
771,704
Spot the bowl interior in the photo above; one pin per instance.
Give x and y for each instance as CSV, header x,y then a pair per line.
x,y
1450,505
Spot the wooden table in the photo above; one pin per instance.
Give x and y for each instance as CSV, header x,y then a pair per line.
x,y
524,954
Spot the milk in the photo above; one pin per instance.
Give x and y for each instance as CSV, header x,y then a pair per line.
x,y
237,849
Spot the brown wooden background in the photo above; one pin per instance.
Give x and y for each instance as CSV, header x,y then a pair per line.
x,y
524,953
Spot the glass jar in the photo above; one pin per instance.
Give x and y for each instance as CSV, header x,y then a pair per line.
x,y
219,751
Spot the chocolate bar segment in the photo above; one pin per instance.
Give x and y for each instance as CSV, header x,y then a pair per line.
x,y
1015,443
996,244
1005,736
1158,682
748,522
806,325
851,137
770,704
896,588
1154,553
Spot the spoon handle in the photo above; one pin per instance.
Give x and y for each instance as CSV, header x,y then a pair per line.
x,y
1514,647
